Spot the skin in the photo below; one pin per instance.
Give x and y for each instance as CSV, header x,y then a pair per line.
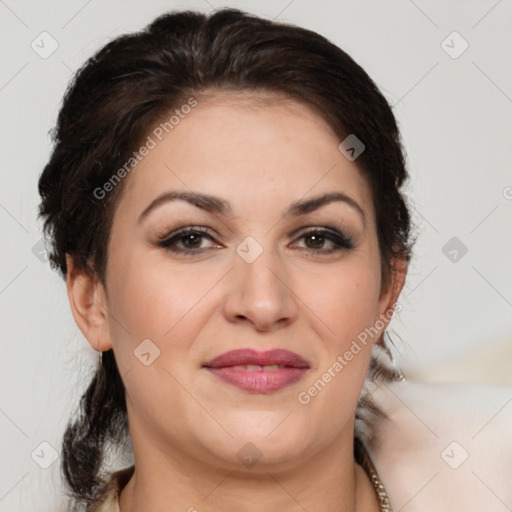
x,y
186,425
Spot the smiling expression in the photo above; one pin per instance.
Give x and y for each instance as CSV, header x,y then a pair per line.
x,y
244,228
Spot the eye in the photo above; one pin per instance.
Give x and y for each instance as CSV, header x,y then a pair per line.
x,y
190,240
315,240
185,240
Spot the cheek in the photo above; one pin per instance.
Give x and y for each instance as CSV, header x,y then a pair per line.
x,y
159,301
345,299
347,303
164,305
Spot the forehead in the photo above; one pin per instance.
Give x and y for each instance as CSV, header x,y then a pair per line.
x,y
263,145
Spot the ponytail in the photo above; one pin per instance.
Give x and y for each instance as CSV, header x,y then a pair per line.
x,y
102,422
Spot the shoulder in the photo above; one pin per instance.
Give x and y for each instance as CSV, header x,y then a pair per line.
x,y
110,498
444,446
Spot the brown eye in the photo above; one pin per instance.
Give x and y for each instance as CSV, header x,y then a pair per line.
x,y
315,241
187,240
192,240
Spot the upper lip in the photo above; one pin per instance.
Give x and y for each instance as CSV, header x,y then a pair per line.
x,y
248,356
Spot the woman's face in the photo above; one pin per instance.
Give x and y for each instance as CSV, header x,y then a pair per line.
x,y
255,277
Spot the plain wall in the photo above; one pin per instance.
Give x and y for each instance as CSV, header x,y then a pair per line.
x,y
456,123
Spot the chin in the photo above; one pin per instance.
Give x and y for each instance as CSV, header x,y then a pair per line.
x,y
266,439
263,455
261,424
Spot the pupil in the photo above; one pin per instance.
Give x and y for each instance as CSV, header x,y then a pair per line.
x,y
191,239
317,238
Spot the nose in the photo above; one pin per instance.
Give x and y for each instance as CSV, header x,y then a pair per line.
x,y
260,293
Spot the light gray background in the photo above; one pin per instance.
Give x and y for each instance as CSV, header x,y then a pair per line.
x,y
455,117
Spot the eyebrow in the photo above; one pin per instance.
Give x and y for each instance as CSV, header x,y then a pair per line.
x,y
217,206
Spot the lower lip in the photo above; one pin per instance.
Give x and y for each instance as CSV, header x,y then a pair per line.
x,y
259,381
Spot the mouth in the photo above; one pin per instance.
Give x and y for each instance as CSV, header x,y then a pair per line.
x,y
258,372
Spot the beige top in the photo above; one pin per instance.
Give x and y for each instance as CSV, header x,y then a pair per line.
x,y
110,502
444,447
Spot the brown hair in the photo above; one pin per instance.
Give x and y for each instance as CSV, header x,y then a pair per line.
x,y
131,84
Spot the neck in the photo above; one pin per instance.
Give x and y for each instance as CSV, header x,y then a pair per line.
x,y
329,481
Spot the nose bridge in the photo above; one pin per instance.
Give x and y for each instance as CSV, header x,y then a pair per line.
x,y
257,266
259,292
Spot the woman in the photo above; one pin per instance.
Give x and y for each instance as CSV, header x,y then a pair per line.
x,y
224,200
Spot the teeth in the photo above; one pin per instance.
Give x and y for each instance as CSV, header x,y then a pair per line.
x,y
257,367
252,367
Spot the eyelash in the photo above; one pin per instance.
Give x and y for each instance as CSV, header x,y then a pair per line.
x,y
341,241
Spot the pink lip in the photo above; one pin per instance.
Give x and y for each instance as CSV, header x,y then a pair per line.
x,y
292,368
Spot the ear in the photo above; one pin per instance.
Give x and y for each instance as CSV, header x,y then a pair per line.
x,y
89,306
390,295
